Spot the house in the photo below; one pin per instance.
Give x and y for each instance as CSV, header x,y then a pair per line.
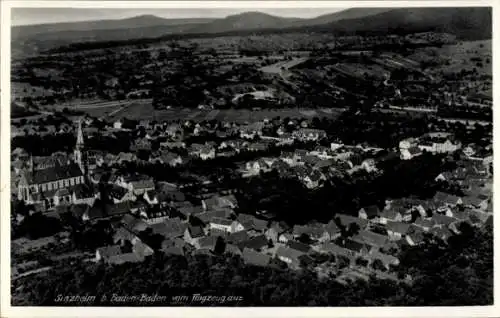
x,y
425,224
225,225
445,200
346,220
369,212
206,217
189,210
238,237
134,223
356,247
125,157
372,239
441,233
233,250
308,134
396,230
304,248
169,158
475,202
119,194
252,225
369,165
406,144
289,256
192,234
170,228
313,232
206,242
390,214
139,187
123,235
219,202
386,259
273,232
332,230
479,218
257,243
337,250
334,146
285,238
104,253
151,197
252,257
439,145
410,153
415,235
203,152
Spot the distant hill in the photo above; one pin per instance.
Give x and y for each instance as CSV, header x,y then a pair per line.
x,y
353,13
246,21
142,21
464,22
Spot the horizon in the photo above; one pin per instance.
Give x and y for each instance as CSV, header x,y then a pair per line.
x,y
35,16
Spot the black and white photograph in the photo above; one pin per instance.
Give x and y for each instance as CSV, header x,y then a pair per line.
x,y
249,156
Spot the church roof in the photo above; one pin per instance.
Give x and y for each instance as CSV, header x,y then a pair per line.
x,y
54,174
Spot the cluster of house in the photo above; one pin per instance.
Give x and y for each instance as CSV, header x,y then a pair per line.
x,y
214,226
314,166
438,142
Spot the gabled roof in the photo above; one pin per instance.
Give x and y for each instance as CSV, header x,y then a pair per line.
x,y
472,200
445,198
256,242
108,251
232,249
416,234
208,242
398,227
353,246
290,253
170,228
424,222
238,237
195,231
255,258
333,248
332,228
53,174
443,219
304,248
371,211
346,220
143,184
221,221
311,231
125,258
440,232
386,259
118,208
371,238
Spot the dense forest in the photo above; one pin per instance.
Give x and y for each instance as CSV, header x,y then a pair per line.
x,y
460,273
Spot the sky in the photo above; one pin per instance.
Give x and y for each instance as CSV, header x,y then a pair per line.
x,y
25,16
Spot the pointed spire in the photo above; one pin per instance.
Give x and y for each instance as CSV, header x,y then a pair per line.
x,y
79,138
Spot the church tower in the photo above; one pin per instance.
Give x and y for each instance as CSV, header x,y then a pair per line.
x,y
80,154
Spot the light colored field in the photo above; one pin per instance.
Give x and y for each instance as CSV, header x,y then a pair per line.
x,y
138,110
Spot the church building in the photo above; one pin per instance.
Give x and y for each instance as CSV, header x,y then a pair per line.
x,y
58,184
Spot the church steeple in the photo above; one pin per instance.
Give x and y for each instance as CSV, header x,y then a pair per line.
x,y
80,154
79,137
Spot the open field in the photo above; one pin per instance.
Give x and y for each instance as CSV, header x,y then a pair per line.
x,y
465,55
142,110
